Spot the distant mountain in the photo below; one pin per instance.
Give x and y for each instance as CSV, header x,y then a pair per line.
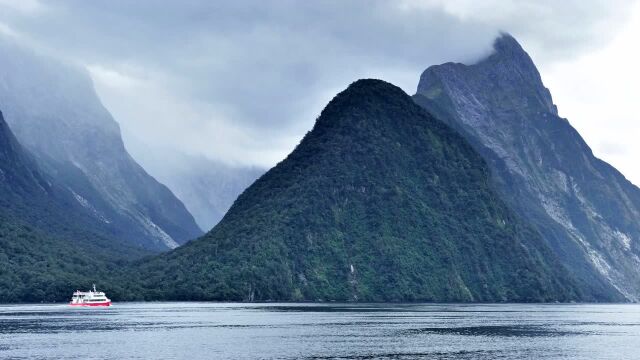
x,y
585,209
48,244
207,188
379,202
54,112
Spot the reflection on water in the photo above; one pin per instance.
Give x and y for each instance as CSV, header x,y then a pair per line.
x,y
494,331
312,331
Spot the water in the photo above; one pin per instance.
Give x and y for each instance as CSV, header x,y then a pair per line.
x,y
293,331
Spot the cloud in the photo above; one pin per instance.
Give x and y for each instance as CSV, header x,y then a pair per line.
x,y
243,81
113,79
28,7
7,31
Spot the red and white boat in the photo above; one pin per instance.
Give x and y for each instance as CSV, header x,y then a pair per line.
x,y
90,298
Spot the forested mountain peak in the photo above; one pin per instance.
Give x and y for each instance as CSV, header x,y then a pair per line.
x,y
378,202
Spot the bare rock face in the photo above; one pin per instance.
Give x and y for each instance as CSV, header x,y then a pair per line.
x,y
55,113
584,208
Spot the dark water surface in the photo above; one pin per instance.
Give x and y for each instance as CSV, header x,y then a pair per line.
x,y
294,331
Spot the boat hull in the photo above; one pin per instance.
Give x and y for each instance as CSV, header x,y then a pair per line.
x,y
108,303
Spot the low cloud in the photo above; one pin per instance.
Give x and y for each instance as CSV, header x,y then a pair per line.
x,y
243,81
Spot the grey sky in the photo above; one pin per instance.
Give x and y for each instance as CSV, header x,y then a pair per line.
x,y
243,81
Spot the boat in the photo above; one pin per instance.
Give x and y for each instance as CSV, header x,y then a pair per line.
x,y
90,298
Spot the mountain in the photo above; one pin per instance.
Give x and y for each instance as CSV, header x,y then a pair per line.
x,y
46,249
207,187
54,112
586,210
379,202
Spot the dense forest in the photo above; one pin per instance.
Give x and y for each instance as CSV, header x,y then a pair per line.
x,y
379,202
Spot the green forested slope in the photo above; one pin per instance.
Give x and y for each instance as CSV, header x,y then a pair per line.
x,y
379,202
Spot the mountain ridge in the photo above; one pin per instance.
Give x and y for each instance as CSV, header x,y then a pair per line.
x,y
378,202
54,111
583,207
47,241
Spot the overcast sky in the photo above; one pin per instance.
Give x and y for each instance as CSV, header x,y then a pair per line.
x,y
242,81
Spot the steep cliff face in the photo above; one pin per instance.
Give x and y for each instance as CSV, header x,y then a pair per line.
x,y
54,112
379,202
584,208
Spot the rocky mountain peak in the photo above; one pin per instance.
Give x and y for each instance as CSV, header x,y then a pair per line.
x,y
508,74
507,46
585,209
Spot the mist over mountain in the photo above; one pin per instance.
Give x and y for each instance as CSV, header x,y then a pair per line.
x,y
379,202
207,187
584,208
54,112
48,242
473,190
